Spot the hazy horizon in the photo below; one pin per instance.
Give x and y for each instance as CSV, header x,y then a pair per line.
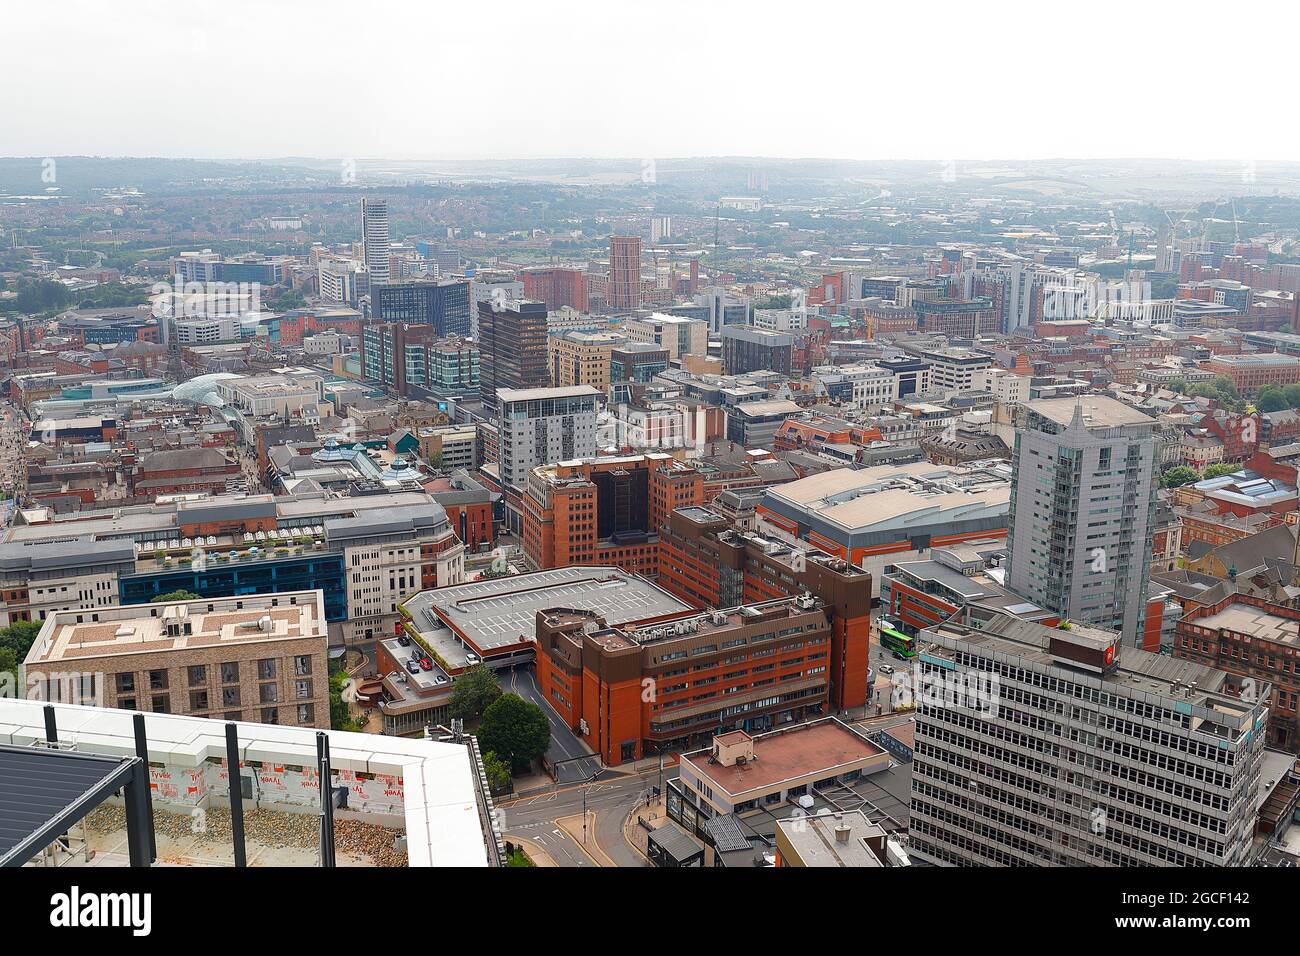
x,y
402,81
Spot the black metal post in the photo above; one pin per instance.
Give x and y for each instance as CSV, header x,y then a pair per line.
x,y
138,829
326,800
236,795
142,751
51,725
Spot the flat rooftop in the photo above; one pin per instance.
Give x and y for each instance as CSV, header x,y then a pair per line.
x,y
1098,411
142,634
503,611
505,395
813,839
1255,621
826,748
894,497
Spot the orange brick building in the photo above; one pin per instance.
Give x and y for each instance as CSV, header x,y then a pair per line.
x,y
635,691
605,511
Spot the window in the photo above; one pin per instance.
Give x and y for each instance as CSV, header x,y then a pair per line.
x,y
230,697
198,675
157,680
306,714
198,700
302,665
125,684
302,689
230,672
267,693
159,704
270,715
266,669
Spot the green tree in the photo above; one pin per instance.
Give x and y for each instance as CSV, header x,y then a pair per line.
x,y
9,664
516,730
1219,468
176,596
293,299
19,637
473,692
498,773
340,715
1292,393
1178,476
1178,385
1271,398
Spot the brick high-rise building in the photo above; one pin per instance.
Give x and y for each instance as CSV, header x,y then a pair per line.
x,y
624,272
605,511
557,288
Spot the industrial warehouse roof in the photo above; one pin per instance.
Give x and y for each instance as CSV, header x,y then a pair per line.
x,y
42,792
503,611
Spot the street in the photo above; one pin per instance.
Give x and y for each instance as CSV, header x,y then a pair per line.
x,y
532,817
566,749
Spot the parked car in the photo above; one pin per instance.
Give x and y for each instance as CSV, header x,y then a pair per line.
x,y
413,667
404,640
426,664
472,658
886,669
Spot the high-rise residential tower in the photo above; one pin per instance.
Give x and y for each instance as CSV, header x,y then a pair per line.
x,y
375,241
1082,515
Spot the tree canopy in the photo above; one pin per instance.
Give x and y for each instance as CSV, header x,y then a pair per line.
x,y
1274,398
473,692
181,595
1178,476
515,730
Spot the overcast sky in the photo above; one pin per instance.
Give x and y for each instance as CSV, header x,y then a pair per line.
x,y
458,79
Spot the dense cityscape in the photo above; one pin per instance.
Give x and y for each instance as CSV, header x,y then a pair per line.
x,y
599,513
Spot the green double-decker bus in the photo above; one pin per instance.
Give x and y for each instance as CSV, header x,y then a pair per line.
x,y
896,641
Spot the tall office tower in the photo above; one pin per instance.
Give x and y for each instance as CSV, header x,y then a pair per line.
x,y
1037,746
512,348
1082,512
624,272
538,426
374,239
445,306
661,228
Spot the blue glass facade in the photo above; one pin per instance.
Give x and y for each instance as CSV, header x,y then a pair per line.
x,y
303,572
